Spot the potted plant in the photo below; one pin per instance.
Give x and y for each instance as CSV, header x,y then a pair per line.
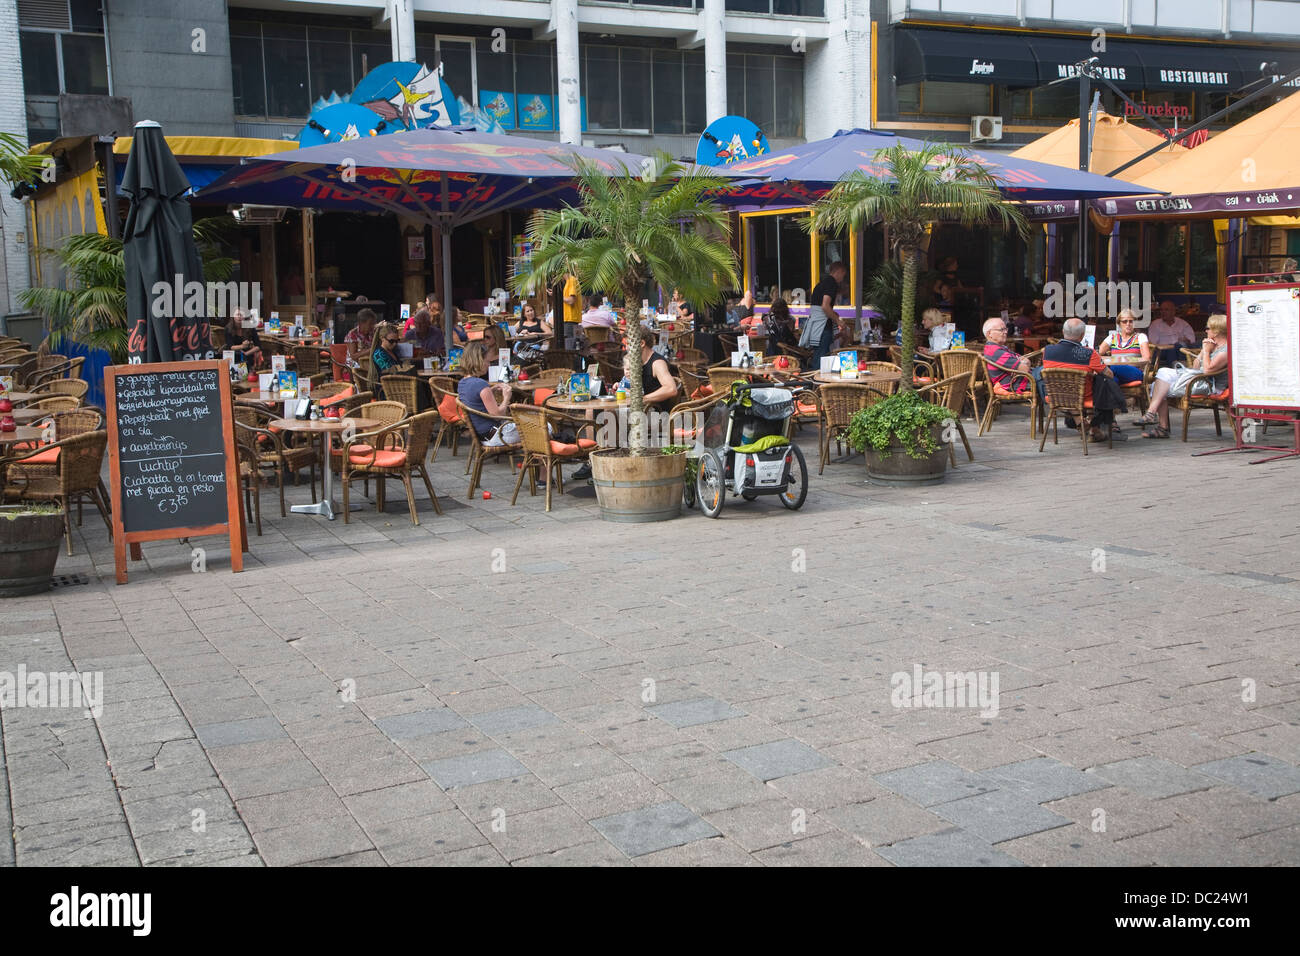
x,y
627,231
903,439
30,538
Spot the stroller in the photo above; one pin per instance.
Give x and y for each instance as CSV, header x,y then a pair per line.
x,y
747,451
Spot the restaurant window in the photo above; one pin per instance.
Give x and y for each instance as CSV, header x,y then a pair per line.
x,y
909,97
285,58
768,90
330,63
534,70
1202,258
955,99
669,107
1130,248
496,67
456,56
781,256
248,79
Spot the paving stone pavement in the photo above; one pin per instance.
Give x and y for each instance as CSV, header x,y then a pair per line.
x,y
503,686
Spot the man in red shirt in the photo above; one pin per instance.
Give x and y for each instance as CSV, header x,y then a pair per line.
x,y
1070,352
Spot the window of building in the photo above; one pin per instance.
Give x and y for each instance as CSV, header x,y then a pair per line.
x,y
248,78
40,63
909,97
495,63
669,105
634,86
85,64
370,48
457,59
62,48
1202,258
330,57
788,120
696,118
780,8
285,60
600,80
768,90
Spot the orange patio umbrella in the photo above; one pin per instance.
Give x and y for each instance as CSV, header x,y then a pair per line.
x,y
1114,142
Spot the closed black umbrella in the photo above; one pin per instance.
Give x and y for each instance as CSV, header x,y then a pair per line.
x,y
160,256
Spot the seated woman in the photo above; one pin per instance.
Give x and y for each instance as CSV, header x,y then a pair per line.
x,y
362,335
476,394
459,334
1173,382
243,341
1125,343
657,383
530,324
780,326
383,350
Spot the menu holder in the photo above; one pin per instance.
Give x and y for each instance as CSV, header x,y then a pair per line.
x,y
848,364
277,363
453,358
286,384
579,386
172,465
958,340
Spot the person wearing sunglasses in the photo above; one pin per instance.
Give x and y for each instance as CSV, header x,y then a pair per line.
x,y
383,350
1128,345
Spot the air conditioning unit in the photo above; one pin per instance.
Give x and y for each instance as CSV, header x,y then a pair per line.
x,y
258,215
985,129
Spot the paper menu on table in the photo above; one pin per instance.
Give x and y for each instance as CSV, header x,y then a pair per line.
x,y
277,363
496,373
228,355
503,356
830,364
1090,336
742,343
406,311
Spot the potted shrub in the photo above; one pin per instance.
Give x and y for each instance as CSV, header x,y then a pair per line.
x,y
30,538
903,439
628,231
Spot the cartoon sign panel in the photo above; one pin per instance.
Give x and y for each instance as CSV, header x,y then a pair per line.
x,y
731,139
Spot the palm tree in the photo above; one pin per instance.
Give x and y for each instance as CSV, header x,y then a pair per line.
x,y
91,309
936,183
17,165
626,231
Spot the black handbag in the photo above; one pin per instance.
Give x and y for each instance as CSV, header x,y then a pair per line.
x,y
1107,394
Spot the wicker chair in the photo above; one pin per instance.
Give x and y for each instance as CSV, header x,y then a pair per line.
x,y
1140,391
1066,388
959,362
307,360
1219,401
999,396
76,476
61,425
925,366
393,451
839,403
402,388
599,334
695,381
720,378
804,356
688,355
250,476
443,390
26,371
682,427
951,393
55,403
323,393
544,452
480,452
70,369
75,387
274,451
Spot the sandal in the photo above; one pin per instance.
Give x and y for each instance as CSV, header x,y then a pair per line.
x,y
1147,419
1156,431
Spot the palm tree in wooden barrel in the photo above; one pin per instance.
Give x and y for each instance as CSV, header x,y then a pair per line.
x,y
627,231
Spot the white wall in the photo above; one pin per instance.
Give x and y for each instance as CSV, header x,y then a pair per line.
x,y
837,72
13,119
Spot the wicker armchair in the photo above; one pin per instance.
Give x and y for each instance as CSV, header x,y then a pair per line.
x,y
688,355
959,362
951,393
720,378
69,369
274,451
76,476
393,451
544,452
443,390
307,360
998,396
55,403
402,388
1066,388
75,387
1218,401
480,452
682,426
247,454
839,403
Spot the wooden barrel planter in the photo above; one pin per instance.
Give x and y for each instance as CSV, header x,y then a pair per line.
x,y
900,468
29,549
638,489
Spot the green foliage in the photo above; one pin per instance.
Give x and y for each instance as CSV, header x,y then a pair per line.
x,y
91,308
628,230
937,183
17,165
675,449
904,416
885,290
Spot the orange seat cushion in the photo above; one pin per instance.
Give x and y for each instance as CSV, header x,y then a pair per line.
x,y
48,457
382,459
684,434
566,448
448,410
474,335
1222,396
806,408
338,399
704,391
1001,392
541,395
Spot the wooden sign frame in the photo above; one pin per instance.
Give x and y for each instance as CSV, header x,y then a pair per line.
x,y
233,527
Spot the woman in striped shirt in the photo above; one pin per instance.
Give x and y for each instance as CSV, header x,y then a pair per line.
x,y
1127,344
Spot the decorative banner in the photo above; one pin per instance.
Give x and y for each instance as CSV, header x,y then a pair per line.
x,y
500,106
408,95
535,112
731,139
339,124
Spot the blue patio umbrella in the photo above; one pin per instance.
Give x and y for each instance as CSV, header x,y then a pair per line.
x,y
446,177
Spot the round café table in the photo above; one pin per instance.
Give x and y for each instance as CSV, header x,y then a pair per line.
x,y
566,404
257,397
328,427
25,416
17,397
863,378
21,434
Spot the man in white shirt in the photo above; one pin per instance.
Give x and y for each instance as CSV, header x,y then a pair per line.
x,y
597,316
1167,332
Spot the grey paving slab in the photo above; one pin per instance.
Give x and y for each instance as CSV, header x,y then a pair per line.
x,y
638,832
999,815
691,713
230,733
1043,779
480,767
935,782
510,720
1153,777
781,758
1258,774
949,848
421,723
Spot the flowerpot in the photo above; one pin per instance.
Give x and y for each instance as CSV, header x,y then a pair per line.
x,y
896,467
29,549
638,488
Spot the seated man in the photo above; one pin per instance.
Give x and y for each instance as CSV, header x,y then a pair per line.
x,y
1168,333
1070,352
423,334
1003,361
597,316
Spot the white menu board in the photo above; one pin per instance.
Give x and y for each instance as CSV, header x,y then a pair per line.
x,y
1264,346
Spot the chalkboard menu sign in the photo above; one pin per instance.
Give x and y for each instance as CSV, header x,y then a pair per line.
x,y
172,455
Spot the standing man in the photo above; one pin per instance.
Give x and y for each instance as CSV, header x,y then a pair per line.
x,y
1168,333
822,320
572,301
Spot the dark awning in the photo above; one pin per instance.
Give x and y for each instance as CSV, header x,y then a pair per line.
x,y
1182,66
1059,58
975,56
